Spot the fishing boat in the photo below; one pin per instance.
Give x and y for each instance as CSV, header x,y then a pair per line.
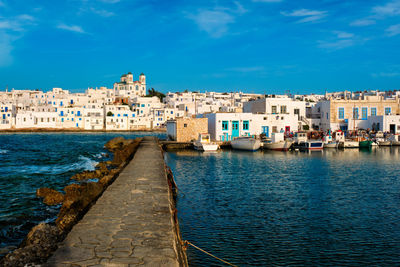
x,y
329,142
277,143
348,143
246,143
311,145
394,139
203,143
365,144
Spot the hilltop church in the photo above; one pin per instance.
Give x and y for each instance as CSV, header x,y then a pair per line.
x,y
127,87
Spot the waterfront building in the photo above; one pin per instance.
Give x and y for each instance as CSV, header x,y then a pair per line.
x,y
186,129
130,88
282,113
94,118
7,113
351,114
226,126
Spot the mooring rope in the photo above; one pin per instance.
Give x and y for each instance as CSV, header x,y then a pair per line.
x,y
186,243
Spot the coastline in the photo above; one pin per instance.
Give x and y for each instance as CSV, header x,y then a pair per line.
x,y
74,130
43,239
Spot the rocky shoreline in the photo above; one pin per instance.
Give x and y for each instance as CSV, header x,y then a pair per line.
x,y
74,130
43,239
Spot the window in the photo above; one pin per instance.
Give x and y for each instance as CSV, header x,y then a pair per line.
x,y
373,111
224,125
388,110
283,109
327,115
184,125
341,113
364,113
273,110
355,113
245,125
274,129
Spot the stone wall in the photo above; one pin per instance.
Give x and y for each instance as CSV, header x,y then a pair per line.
x,y
188,129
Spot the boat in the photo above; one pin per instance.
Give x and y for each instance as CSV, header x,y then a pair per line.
x,y
329,142
246,143
311,145
365,143
278,143
381,140
348,143
203,143
299,138
394,139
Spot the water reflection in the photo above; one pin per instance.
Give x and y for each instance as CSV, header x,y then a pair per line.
x,y
335,207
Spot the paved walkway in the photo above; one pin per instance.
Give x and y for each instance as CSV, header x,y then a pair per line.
x,y
130,224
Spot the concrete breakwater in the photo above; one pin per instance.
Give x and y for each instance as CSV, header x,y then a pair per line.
x,y
132,221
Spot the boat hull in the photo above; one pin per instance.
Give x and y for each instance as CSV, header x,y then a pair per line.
x,y
278,146
205,147
246,144
365,144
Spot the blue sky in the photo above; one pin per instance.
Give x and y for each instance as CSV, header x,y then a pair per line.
x,y
260,46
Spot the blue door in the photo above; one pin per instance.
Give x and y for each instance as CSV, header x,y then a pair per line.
x,y
235,129
265,130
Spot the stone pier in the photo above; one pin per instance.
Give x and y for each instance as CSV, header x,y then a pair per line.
x,y
131,224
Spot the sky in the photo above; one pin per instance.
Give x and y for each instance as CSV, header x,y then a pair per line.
x,y
255,46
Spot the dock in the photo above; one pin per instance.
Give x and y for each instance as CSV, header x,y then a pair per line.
x,y
132,223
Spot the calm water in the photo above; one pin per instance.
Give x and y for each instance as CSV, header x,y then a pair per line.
x,y
30,161
332,208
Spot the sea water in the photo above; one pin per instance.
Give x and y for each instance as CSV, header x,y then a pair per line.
x,y
332,208
29,161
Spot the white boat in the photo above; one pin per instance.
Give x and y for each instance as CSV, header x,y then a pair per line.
x,y
349,144
311,145
394,139
246,143
329,142
278,143
203,143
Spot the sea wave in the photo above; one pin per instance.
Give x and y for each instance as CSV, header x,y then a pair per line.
x,y
83,164
3,151
100,155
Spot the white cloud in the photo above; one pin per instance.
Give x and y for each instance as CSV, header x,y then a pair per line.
x,y
5,50
110,1
343,35
102,12
267,1
72,28
214,22
393,30
246,69
239,8
363,22
307,14
390,9
386,74
336,45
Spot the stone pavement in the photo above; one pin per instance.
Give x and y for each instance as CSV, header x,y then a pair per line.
x,y
130,224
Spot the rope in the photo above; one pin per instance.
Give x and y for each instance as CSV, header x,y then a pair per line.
x,y
186,243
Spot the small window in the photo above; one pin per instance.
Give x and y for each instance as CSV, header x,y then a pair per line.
x,y
373,111
388,110
245,125
225,125
341,113
273,110
185,125
283,109
355,113
364,113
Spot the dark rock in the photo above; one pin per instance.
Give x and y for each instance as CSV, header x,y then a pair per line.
x,y
117,143
77,200
50,196
126,153
40,242
85,175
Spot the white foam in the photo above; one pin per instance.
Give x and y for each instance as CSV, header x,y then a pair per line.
x,y
3,151
87,163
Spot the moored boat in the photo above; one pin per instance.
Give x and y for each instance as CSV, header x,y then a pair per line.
x,y
278,143
203,143
311,145
365,144
246,143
